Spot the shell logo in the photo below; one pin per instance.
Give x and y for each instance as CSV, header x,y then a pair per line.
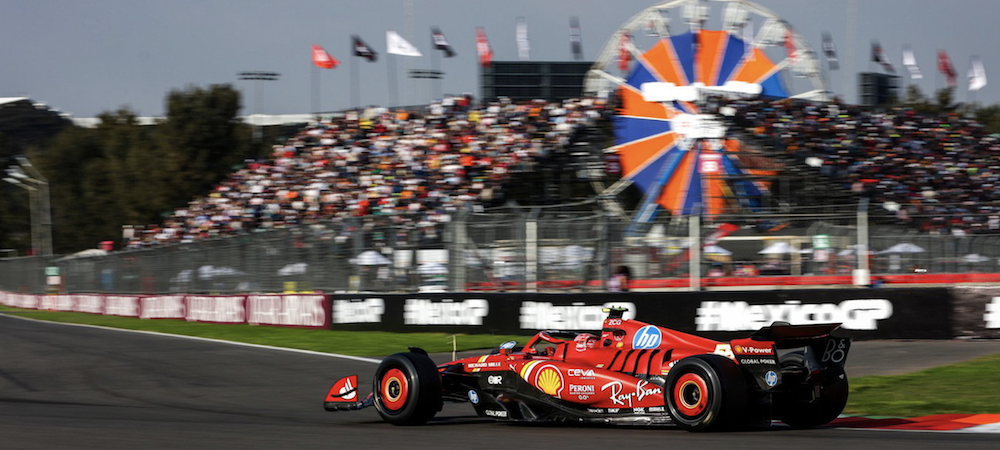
x,y
549,380
738,348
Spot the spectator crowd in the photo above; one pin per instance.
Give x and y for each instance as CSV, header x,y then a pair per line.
x,y
937,173
412,169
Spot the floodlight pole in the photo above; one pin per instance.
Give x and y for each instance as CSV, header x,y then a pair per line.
x,y
24,175
256,77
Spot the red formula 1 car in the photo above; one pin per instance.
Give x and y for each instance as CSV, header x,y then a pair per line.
x,y
633,373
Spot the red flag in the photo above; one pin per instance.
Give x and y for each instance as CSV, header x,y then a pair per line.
x,y
483,48
790,45
945,67
624,55
322,59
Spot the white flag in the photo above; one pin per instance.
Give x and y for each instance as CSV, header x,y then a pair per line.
x,y
523,47
977,74
910,62
396,45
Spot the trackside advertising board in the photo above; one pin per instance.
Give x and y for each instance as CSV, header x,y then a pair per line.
x,y
897,313
865,313
298,310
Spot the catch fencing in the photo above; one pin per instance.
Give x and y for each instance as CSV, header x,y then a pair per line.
x,y
570,248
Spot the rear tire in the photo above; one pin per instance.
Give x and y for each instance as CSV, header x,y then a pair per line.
x,y
407,389
831,402
705,392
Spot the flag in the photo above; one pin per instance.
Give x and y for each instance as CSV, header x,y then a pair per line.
x,y
523,47
624,54
910,62
790,45
879,56
363,50
483,48
575,43
945,67
322,59
977,74
396,45
830,51
440,43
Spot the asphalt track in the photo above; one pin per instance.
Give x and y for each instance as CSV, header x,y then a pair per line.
x,y
81,387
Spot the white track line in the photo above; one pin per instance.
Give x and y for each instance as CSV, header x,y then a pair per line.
x,y
196,338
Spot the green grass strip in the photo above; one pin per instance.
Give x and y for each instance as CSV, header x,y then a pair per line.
x,y
971,387
356,343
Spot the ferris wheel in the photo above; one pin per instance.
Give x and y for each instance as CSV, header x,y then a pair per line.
x,y
682,158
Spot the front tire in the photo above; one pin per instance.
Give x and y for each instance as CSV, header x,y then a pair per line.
x,y
407,389
705,392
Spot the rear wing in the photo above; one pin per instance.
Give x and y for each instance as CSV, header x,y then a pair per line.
x,y
785,335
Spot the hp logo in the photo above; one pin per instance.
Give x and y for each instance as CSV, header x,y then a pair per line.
x,y
771,378
647,337
473,397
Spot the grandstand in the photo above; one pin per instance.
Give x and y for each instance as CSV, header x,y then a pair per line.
x,y
527,194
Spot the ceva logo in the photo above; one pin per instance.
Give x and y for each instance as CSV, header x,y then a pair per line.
x,y
647,337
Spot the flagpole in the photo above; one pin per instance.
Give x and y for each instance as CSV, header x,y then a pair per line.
x,y
436,66
315,91
393,88
355,103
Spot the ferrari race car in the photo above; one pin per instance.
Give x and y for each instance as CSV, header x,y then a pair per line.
x,y
633,373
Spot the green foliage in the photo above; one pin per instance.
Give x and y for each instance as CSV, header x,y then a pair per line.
x,y
124,173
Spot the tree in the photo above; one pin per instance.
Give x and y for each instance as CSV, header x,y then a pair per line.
x,y
202,139
124,173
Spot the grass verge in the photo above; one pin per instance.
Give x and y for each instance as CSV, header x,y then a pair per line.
x,y
967,388
357,343
971,387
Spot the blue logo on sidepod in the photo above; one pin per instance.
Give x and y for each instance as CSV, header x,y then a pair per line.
x,y
473,397
647,337
771,378
508,345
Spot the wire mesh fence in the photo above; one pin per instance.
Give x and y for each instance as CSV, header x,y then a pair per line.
x,y
567,248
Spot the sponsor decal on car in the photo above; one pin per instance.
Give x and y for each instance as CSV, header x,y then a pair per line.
x,y
643,389
583,374
482,363
496,413
581,391
859,314
647,337
474,397
494,379
771,378
756,361
545,377
749,350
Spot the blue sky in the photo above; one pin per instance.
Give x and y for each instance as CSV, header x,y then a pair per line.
x,y
88,57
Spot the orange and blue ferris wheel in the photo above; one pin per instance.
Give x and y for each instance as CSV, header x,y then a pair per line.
x,y
680,156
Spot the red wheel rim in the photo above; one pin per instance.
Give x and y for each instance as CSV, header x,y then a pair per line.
x,y
690,394
393,387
